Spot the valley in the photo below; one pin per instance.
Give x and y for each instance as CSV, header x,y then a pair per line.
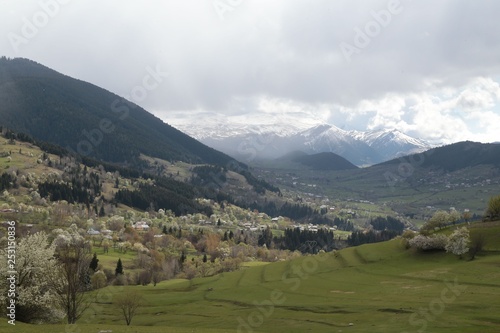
x,y
154,231
404,187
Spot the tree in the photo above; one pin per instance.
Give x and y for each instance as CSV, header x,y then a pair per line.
x,y
182,259
429,243
439,220
72,281
477,243
98,280
128,302
453,216
94,263
102,211
119,267
493,210
35,265
458,242
466,216
205,257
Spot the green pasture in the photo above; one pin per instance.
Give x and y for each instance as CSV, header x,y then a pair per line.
x,y
371,288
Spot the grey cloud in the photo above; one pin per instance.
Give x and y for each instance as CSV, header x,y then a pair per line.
x,y
285,49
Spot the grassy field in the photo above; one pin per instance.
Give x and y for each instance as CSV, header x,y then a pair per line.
x,y
372,288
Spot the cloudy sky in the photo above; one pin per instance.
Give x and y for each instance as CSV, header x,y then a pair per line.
x,y
428,68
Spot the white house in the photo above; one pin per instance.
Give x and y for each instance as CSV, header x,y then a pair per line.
x,y
141,226
91,231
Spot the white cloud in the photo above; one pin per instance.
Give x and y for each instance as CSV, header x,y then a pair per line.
x,y
432,71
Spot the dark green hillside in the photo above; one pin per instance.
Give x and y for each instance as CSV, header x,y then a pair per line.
x,y
325,161
456,156
89,120
320,161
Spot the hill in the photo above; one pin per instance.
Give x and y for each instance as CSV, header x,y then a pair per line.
x,y
457,156
325,161
82,117
462,175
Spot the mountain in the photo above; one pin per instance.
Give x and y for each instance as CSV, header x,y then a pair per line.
x,y
324,161
329,138
457,156
82,117
391,143
266,135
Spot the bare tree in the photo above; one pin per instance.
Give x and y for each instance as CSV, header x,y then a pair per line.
x,y
128,302
72,279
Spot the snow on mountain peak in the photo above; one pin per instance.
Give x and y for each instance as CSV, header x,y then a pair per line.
x,y
296,131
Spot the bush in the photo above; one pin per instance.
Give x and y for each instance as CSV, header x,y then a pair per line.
x,y
98,280
477,243
429,243
407,236
120,280
458,242
493,211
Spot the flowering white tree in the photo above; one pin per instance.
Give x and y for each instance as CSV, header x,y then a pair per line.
x,y
458,242
429,243
35,265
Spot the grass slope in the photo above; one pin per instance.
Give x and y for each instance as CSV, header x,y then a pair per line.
x,y
372,288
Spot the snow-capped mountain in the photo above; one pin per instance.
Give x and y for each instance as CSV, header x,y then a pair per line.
x,y
391,143
268,136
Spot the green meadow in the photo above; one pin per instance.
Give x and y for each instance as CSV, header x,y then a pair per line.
x,y
381,287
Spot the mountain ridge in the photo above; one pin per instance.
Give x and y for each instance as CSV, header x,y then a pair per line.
x,y
82,117
236,135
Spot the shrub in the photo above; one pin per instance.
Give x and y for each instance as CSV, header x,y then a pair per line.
x,y
458,242
429,243
493,210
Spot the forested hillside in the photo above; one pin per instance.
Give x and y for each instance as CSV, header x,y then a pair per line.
x,y
90,120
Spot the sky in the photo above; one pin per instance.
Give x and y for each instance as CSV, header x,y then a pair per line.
x,y
428,68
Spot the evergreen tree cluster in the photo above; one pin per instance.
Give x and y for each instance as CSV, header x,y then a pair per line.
x,y
180,200
387,223
340,223
306,241
211,176
360,237
293,211
82,188
7,181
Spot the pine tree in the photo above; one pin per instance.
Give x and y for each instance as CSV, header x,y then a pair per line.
x,y
94,263
102,212
205,258
183,258
119,267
